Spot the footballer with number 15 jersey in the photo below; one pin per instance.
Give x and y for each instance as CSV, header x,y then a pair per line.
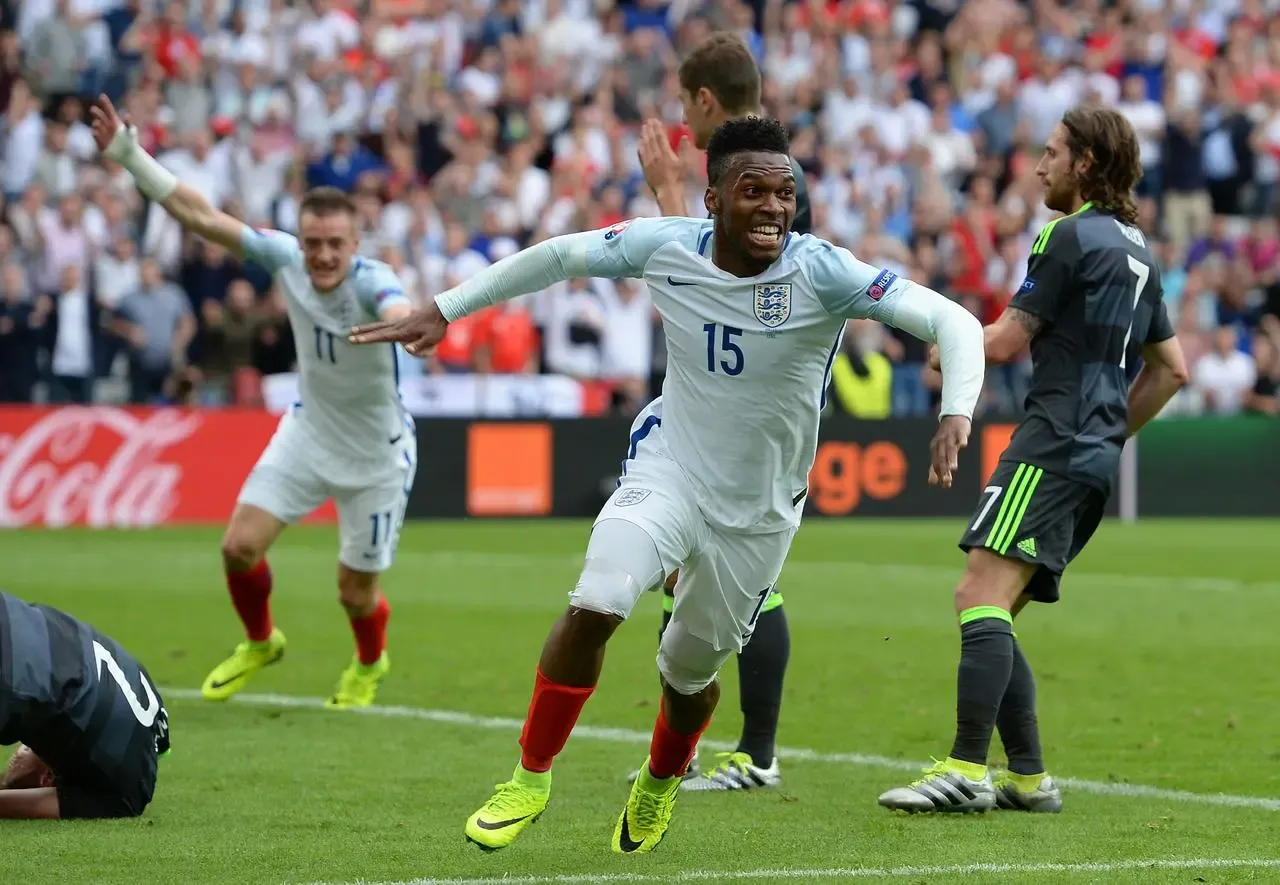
x,y
713,487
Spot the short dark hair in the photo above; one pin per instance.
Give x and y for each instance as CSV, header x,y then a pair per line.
x,y
743,135
723,65
1109,139
327,201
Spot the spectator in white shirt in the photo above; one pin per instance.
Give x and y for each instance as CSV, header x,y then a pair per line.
x,y
626,347
573,329
116,273
1225,375
1148,120
24,128
329,33
1046,97
71,363
55,167
950,149
904,123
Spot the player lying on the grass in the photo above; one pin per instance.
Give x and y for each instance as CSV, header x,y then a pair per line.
x,y
1090,308
348,438
715,485
720,81
89,720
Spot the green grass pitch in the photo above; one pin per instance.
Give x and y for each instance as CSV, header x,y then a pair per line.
x,y
1157,671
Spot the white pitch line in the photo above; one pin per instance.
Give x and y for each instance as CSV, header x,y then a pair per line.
x,y
1195,583
800,754
846,873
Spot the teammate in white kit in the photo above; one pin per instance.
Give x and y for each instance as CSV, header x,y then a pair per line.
x,y
714,483
348,437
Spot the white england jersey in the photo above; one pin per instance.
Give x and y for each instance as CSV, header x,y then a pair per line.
x,y
349,394
748,358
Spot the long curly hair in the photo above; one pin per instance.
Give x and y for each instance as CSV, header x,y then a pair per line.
x,y
1107,138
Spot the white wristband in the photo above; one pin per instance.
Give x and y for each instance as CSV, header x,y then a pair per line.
x,y
154,181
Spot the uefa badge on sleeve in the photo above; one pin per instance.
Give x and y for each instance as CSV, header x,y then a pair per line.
x,y
880,285
773,304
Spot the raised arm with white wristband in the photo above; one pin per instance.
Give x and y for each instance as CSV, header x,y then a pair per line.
x,y
117,139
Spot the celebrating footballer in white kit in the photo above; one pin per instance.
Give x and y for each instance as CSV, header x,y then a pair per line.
x,y
715,479
347,438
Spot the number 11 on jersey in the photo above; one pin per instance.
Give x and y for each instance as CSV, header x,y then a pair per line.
x,y
321,337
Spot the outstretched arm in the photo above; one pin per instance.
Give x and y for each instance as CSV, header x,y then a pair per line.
x,y
957,334
959,337
617,252
855,290
529,270
119,141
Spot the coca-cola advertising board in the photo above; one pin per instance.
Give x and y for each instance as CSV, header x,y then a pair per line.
x,y
109,467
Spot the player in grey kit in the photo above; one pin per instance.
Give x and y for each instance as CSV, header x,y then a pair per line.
x,y
90,720
1091,309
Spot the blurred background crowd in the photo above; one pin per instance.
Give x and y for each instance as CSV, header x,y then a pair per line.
x,y
468,129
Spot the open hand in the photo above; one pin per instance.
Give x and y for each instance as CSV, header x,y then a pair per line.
x,y
106,123
944,450
663,167
419,332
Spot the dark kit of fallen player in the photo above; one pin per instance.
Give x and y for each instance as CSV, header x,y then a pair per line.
x,y
88,720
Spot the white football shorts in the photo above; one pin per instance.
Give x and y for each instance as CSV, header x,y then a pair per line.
x,y
294,476
725,577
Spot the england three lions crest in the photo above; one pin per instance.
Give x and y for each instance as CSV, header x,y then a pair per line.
x,y
773,303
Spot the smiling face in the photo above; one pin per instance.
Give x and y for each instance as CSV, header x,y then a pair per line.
x,y
329,242
754,204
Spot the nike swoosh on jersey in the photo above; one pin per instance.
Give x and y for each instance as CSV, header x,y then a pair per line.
x,y
498,824
625,842
395,439
674,282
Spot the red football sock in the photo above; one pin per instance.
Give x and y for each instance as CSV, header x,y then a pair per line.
x,y
670,753
250,594
371,632
553,711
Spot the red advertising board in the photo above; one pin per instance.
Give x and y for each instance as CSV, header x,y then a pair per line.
x,y
103,466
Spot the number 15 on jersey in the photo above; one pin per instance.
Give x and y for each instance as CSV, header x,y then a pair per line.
x,y
723,351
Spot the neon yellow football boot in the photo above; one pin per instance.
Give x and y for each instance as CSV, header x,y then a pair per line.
x,y
358,684
516,804
249,657
647,814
